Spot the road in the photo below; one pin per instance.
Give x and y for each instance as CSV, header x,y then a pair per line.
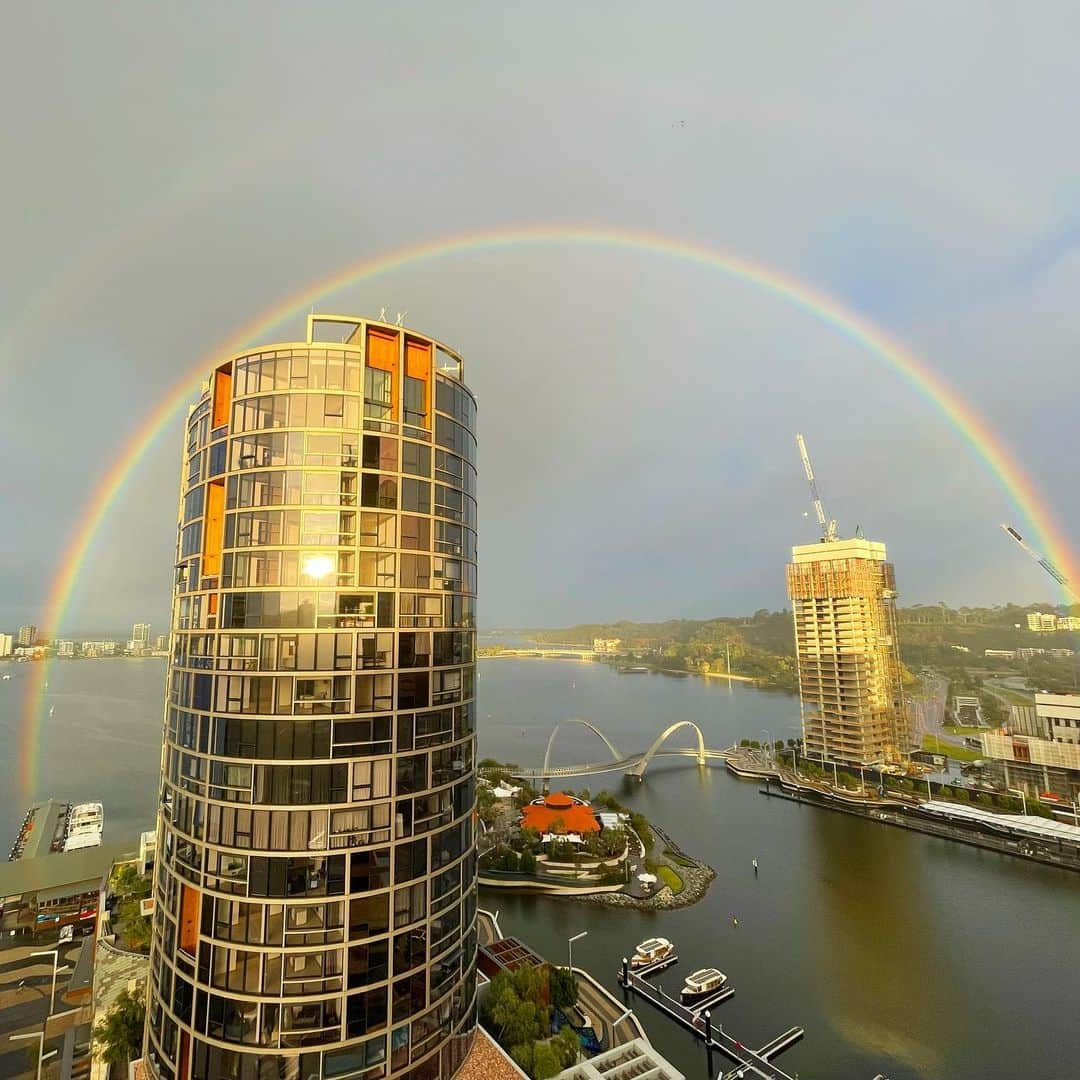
x,y
932,708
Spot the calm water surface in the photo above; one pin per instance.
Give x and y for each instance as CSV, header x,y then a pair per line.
x,y
898,953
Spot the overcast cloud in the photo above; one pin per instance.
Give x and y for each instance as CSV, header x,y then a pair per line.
x,y
172,170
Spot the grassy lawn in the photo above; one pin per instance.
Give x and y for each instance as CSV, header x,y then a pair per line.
x,y
668,876
959,753
677,859
953,729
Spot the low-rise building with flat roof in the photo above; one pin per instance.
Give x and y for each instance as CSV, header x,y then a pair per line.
x,y
637,1058
55,890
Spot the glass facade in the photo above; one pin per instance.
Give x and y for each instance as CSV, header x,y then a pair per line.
x,y
316,866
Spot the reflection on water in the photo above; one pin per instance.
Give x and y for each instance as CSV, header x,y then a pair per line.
x,y
872,946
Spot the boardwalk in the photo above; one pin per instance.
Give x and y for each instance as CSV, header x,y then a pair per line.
x,y
699,1021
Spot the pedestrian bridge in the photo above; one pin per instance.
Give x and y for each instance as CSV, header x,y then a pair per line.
x,y
631,764
546,653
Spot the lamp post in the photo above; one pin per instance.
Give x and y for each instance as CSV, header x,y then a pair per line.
x,y
42,1056
1023,797
570,946
862,776
768,744
795,761
55,954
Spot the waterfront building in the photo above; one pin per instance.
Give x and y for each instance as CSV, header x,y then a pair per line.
x,y
7,645
140,637
315,877
560,814
607,645
98,648
1068,622
65,648
1042,622
161,643
1039,753
843,598
27,636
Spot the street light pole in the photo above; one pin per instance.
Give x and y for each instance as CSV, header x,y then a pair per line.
x,y
55,954
1023,797
40,1036
570,946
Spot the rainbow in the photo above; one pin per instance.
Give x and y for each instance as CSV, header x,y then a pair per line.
x,y
986,446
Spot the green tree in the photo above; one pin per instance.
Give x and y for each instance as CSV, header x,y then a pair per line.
x,y
528,862
567,1042
564,987
125,880
547,1062
523,1054
119,1035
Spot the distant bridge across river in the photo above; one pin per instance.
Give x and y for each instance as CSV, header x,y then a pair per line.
x,y
631,764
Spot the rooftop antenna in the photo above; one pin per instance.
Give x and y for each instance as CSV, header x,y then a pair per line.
x,y
382,314
401,317
829,529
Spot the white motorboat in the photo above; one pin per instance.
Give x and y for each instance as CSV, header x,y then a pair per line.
x,y
701,985
651,951
85,822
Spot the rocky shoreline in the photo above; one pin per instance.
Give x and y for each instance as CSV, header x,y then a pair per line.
x,y
696,882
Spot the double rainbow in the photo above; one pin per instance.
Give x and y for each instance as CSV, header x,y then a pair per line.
x,y
1009,476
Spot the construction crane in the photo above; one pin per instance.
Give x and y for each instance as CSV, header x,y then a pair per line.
x,y
1043,561
828,525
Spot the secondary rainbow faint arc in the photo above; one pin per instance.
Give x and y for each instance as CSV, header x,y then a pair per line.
x,y
975,431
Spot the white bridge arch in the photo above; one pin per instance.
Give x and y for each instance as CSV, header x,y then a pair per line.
x,y
615,754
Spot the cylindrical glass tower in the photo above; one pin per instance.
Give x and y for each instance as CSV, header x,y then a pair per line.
x,y
316,874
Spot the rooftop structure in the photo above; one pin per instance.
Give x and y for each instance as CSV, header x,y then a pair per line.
x,y
637,1058
559,813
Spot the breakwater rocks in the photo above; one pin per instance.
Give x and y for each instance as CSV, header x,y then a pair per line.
x,y
696,882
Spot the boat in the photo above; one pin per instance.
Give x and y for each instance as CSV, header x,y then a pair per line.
x,y
6,677
651,951
85,822
640,669
701,985
52,709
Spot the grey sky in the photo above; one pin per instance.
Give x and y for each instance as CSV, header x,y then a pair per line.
x,y
171,171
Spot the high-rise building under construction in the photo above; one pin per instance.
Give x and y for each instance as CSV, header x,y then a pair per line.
x,y
316,874
843,596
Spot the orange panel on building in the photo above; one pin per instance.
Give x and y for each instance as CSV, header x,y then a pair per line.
x,y
382,353
222,398
418,366
189,920
214,528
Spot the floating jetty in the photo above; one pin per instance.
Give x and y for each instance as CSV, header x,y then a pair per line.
x,y
698,1021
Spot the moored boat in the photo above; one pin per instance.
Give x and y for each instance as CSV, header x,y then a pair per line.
x,y
701,985
651,951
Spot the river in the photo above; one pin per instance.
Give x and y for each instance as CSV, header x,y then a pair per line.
x,y
898,953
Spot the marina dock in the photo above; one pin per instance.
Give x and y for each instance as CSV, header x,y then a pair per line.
x,y
698,1021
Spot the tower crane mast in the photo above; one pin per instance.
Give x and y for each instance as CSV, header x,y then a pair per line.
x,y
1043,561
829,528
